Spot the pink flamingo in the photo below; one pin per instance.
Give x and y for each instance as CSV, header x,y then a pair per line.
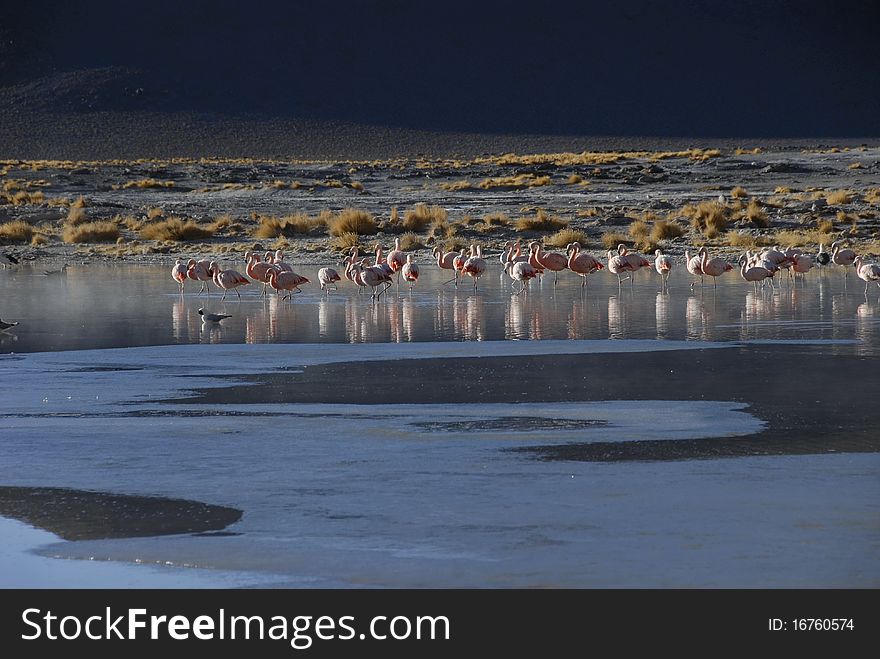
x,y
228,279
714,267
663,266
279,262
396,257
458,264
200,271
618,264
373,277
693,264
328,277
754,273
867,272
844,257
802,264
475,266
410,271
520,271
553,261
258,270
286,281
581,263
635,260
446,262
533,258
178,274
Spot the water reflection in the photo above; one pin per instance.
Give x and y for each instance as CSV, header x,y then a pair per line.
x,y
103,306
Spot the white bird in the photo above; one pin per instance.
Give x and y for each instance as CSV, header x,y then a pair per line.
x,y
328,277
844,257
663,265
694,264
208,317
475,266
410,271
867,272
754,273
5,326
520,271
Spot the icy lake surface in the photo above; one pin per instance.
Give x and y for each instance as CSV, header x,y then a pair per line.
x,y
103,389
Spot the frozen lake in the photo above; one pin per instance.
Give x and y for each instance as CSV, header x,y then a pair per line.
x,y
706,438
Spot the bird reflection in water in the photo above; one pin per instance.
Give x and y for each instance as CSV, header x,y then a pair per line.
x,y
661,313
866,323
408,311
616,317
516,322
696,319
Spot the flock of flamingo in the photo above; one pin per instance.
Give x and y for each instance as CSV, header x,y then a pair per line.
x,y
273,272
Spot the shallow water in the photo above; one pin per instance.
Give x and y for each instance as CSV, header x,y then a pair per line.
x,y
352,470
108,306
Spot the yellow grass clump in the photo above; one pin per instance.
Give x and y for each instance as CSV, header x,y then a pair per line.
x,y
588,212
353,220
515,182
739,193
872,195
144,183
345,241
666,230
39,239
755,214
740,151
542,221
824,226
496,219
854,165
740,240
444,229
76,215
454,186
290,225
574,179
175,229
611,239
798,238
91,232
410,241
15,231
357,185
420,216
564,237
708,217
839,197
782,189
639,230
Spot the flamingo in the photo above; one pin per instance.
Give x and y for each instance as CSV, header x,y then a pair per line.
x,y
553,261
663,266
635,260
373,277
844,257
258,270
475,266
533,259
618,264
327,278
200,271
753,273
458,264
227,279
279,262
396,257
581,263
694,264
802,264
520,271
178,274
410,271
286,281
867,272
714,267
446,262
823,257
5,326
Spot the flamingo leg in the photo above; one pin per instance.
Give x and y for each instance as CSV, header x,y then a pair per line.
x,y
555,277
224,294
238,294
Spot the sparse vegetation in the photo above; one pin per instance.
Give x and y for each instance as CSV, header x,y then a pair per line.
x,y
496,219
288,226
639,230
741,240
444,229
611,239
176,229
755,214
740,151
564,237
542,221
798,238
588,212
739,193
410,241
824,226
353,220
144,183
666,230
782,189
515,182
872,196
76,215
854,165
39,239
708,217
454,186
839,197
91,232
574,179
420,216
357,185
345,241
15,231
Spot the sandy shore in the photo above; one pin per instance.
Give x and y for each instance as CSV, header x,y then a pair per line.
x,y
768,196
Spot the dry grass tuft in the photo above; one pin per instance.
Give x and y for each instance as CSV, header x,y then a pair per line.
x,y
574,179
639,230
16,231
155,213
345,242
39,239
872,195
824,226
589,212
515,182
76,215
741,240
755,214
91,232
496,219
839,197
611,239
175,229
542,221
410,241
739,193
782,189
740,151
444,230
798,238
854,165
288,226
79,202
222,223
564,237
708,217
454,244
420,216
454,186
666,230
144,183
357,185
131,223
353,220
